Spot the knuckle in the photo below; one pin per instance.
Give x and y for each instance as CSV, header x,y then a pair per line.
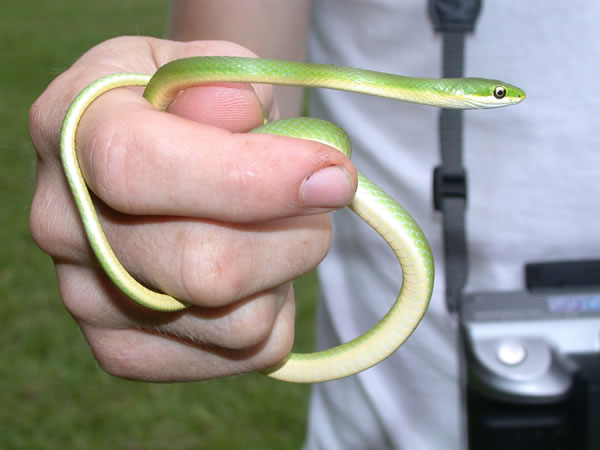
x,y
211,274
281,339
36,122
58,235
253,321
79,293
116,360
41,233
278,349
42,128
44,122
121,353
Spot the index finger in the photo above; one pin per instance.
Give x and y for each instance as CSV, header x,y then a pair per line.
x,y
140,161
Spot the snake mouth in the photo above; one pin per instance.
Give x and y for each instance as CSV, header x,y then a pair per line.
x,y
481,102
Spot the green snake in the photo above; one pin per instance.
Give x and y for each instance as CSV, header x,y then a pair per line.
x,y
374,206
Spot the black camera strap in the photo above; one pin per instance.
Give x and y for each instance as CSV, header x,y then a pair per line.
x,y
454,19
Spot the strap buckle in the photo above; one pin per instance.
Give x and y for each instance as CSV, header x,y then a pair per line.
x,y
448,184
454,16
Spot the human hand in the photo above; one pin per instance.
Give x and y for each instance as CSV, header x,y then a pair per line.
x,y
193,207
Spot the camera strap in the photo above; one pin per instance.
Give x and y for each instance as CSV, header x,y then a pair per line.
x,y
454,19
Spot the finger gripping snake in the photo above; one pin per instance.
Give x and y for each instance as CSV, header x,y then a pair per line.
x,y
370,203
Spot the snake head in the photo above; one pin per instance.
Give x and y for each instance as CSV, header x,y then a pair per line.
x,y
485,93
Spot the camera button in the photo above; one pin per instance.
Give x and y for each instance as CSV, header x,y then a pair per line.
x,y
511,352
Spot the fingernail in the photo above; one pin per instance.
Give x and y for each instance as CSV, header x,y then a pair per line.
x,y
330,187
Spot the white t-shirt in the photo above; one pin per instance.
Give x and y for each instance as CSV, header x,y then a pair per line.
x,y
534,172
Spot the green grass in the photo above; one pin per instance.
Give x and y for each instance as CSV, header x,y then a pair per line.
x,y
53,393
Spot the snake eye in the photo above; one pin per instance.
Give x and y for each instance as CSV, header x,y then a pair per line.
x,y
499,92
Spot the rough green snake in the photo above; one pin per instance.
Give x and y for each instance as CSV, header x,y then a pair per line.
x,y
375,207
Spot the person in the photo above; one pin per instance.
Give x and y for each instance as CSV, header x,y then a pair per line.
x,y
230,235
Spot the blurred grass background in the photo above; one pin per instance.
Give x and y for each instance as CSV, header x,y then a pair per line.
x,y
53,395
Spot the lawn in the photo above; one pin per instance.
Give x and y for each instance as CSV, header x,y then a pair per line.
x,y
53,393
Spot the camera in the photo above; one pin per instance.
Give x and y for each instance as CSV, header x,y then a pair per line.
x,y
531,361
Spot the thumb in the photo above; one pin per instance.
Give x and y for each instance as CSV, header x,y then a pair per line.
x,y
236,107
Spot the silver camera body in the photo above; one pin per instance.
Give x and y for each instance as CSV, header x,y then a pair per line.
x,y
531,362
